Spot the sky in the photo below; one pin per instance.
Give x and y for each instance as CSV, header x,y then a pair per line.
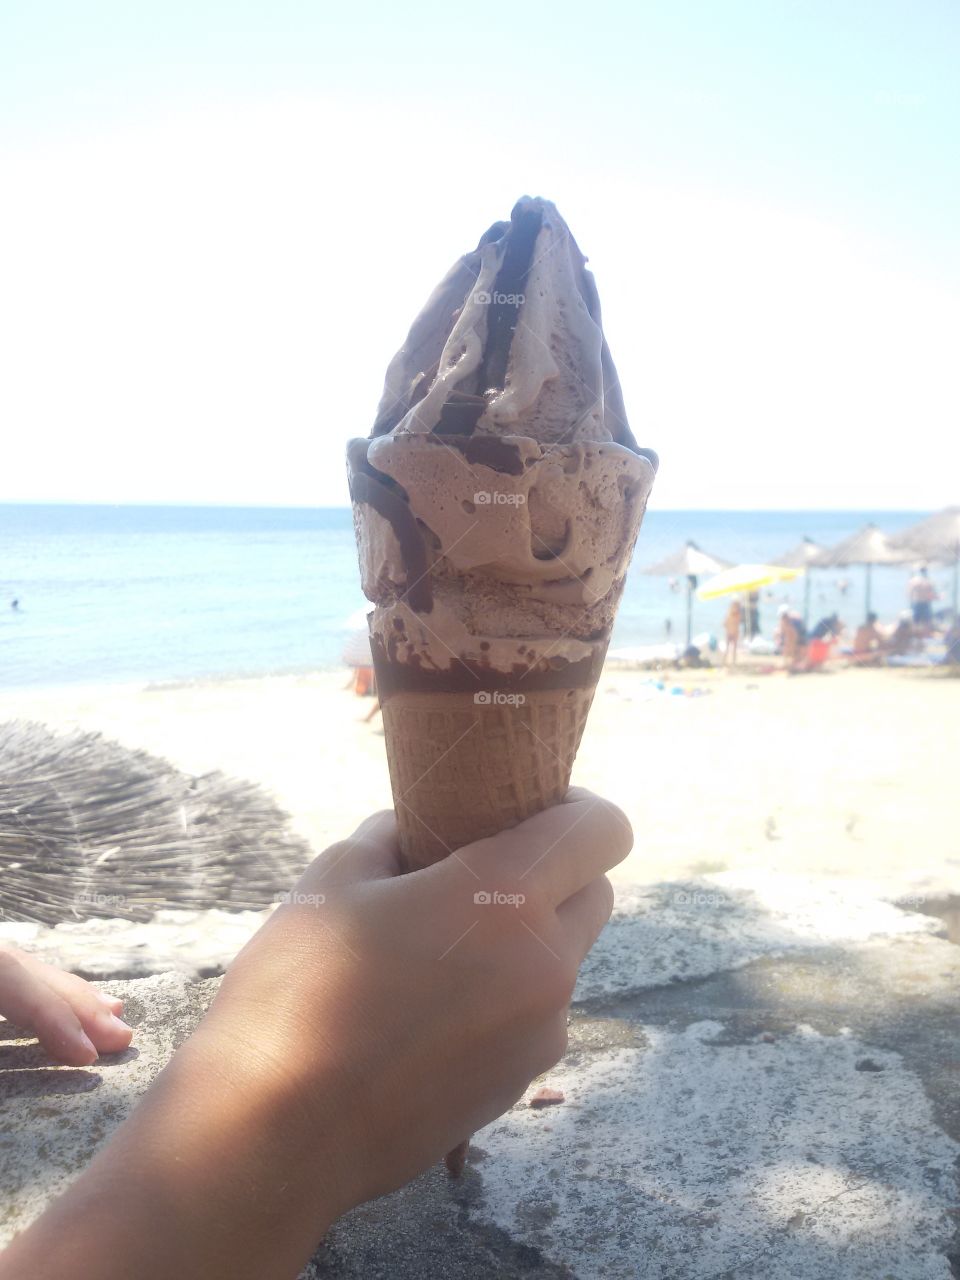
x,y
220,218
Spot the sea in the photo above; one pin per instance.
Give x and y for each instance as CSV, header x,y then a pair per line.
x,y
161,594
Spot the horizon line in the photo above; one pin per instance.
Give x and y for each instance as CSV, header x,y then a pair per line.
x,y
280,506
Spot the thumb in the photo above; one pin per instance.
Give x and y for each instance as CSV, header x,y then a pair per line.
x,y
371,853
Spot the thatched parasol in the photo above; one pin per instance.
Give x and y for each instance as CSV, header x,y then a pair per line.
x,y
937,538
690,563
802,556
868,546
90,828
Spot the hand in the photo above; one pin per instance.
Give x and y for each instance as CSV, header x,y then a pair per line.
x,y
408,1011
73,1021
371,1024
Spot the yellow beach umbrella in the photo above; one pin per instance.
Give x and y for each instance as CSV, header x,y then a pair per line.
x,y
743,578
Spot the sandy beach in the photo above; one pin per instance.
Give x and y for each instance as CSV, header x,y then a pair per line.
x,y
843,774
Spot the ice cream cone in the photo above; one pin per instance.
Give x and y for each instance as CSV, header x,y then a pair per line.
x,y
464,766
496,504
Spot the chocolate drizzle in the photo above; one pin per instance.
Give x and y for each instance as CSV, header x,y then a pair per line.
x,y
526,220
486,451
460,414
388,499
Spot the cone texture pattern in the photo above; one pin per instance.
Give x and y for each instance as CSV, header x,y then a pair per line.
x,y
462,769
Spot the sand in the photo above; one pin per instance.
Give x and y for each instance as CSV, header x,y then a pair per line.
x,y
848,774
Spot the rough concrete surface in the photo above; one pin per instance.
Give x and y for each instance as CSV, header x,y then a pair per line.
x,y
765,1085
667,932
191,943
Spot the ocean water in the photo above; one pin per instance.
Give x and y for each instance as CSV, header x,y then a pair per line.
x,y
139,594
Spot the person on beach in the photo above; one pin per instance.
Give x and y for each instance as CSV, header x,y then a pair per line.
x,y
822,638
790,636
752,621
922,593
952,642
373,1021
901,640
731,629
868,643
818,646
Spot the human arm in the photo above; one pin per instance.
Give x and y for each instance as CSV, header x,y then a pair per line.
x,y
367,1027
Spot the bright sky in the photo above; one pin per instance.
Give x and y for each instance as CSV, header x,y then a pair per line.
x,y
219,218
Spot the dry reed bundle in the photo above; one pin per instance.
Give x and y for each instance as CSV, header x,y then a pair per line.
x,y
91,828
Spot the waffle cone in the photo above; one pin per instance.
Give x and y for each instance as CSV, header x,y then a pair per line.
x,y
467,765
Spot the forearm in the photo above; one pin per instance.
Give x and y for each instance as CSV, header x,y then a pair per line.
x,y
347,1049
218,1172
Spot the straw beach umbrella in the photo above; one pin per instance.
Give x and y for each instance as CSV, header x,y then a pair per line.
x,y
868,546
89,828
802,556
691,563
937,538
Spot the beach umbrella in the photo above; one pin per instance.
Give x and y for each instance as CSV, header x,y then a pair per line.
x,y
91,828
937,538
802,556
690,563
743,578
868,546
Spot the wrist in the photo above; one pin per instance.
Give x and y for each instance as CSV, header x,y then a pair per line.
x,y
286,1109
222,1169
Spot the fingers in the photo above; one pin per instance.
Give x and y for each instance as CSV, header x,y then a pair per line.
x,y
96,1012
561,850
69,981
583,916
54,1004
30,1004
371,853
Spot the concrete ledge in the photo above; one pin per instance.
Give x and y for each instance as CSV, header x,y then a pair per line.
x,y
751,1090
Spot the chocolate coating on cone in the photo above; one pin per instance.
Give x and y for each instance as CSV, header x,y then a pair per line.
x,y
464,676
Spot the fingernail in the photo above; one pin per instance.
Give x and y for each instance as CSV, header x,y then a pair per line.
x,y
86,1044
109,1001
110,1022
